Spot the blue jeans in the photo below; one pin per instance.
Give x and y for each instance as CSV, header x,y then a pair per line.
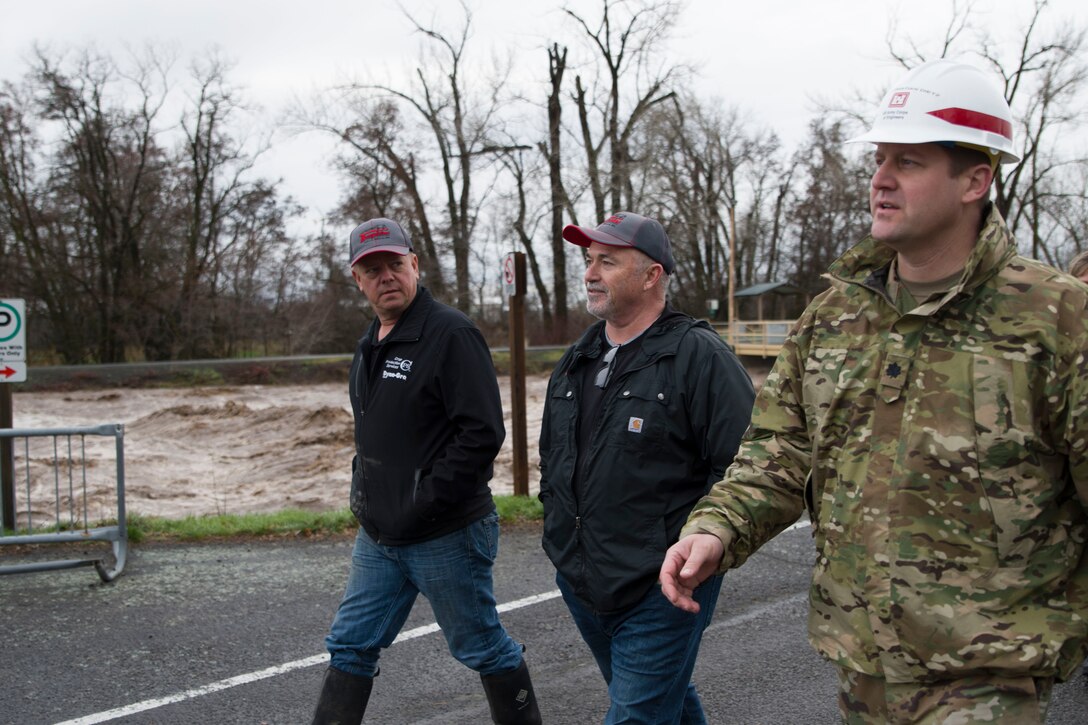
x,y
647,653
453,572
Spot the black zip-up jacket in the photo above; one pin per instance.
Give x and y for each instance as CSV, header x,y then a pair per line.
x,y
668,427
428,425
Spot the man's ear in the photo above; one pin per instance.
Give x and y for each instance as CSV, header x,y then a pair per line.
x,y
979,177
653,274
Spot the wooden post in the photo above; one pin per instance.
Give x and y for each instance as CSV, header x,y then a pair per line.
x,y
517,377
732,272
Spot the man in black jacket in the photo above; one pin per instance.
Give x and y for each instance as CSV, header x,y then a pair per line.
x,y
643,414
428,424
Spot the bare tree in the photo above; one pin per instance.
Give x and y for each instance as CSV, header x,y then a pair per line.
x,y
626,38
44,262
760,229
559,200
386,179
830,214
1067,206
696,152
127,245
213,190
1041,84
459,125
524,225
1043,73
110,186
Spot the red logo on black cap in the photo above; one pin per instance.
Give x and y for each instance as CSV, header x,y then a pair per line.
x,y
614,219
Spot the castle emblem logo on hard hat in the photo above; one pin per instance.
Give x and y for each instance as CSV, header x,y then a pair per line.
x,y
899,99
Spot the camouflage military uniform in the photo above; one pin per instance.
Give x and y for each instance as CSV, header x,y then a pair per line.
x,y
865,700
941,455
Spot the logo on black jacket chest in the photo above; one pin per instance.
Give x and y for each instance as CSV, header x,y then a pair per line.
x,y
397,368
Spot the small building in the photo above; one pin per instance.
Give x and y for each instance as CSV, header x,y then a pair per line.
x,y
771,300
765,313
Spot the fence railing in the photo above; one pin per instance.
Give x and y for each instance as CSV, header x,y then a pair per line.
x,y
57,490
762,338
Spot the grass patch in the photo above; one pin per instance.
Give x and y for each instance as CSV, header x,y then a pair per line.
x,y
193,378
519,508
289,522
537,362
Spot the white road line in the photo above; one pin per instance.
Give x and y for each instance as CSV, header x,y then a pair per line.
x,y
798,525
759,612
247,678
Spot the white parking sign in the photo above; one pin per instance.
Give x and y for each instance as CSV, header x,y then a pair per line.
x,y
12,331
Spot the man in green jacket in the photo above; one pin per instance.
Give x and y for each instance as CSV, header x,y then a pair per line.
x,y
930,412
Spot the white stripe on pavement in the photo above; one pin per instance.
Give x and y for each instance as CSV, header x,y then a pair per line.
x,y
247,678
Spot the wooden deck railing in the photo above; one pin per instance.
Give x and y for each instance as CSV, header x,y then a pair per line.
x,y
762,338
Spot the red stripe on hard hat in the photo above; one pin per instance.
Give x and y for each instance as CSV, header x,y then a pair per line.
x,y
974,119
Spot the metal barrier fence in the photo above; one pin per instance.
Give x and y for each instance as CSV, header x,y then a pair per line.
x,y
55,490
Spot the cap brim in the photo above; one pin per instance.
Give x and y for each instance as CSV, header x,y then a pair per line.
x,y
584,237
395,248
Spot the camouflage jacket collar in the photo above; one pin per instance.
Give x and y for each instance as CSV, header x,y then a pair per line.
x,y
867,262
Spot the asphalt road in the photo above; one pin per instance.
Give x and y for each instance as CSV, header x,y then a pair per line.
x,y
233,633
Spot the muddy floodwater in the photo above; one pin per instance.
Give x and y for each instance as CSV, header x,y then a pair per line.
x,y
219,450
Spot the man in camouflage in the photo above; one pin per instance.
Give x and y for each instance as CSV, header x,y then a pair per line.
x,y
930,413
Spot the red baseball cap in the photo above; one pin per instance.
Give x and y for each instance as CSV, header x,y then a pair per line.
x,y
627,229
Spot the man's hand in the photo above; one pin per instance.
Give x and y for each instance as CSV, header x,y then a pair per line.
x,y
688,563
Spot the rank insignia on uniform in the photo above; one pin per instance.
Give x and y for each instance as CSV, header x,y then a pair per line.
x,y
894,378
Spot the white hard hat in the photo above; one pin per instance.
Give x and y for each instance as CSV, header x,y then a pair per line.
x,y
943,101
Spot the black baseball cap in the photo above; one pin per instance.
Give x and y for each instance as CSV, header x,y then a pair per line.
x,y
627,229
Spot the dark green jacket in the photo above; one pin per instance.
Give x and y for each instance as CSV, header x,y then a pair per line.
x,y
667,430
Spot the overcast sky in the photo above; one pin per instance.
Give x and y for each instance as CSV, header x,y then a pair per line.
x,y
769,58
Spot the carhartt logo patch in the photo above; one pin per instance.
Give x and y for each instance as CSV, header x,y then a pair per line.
x,y
634,425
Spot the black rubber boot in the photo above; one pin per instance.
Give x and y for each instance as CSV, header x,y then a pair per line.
x,y
511,698
343,698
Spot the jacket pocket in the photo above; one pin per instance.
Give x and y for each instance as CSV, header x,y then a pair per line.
x,y
357,500
424,500
639,415
838,401
391,495
1022,478
562,408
